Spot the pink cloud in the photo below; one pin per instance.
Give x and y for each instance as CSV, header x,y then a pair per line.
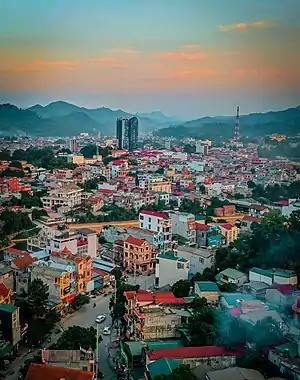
x,y
107,61
56,63
197,56
194,73
246,25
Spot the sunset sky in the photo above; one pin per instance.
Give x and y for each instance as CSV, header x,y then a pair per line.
x,y
188,58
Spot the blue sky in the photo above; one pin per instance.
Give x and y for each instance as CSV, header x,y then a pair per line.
x,y
185,57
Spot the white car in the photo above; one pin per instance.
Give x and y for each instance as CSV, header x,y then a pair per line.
x,y
100,318
106,331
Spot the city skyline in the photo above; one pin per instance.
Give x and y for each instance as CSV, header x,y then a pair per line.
x,y
185,58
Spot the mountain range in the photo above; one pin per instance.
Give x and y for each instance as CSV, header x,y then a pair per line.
x,y
66,119
286,122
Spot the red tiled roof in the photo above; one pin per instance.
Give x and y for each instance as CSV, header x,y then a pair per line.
x,y
17,251
154,213
119,242
100,272
202,227
285,289
190,352
250,218
160,298
106,191
49,372
4,291
23,262
284,202
227,226
135,241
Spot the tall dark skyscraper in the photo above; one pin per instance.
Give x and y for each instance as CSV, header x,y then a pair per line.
x,y
127,133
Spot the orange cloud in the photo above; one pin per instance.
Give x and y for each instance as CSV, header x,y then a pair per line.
x,y
181,74
244,25
192,47
184,56
246,72
107,61
56,63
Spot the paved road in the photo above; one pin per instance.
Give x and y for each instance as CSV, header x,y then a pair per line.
x,y
98,226
85,317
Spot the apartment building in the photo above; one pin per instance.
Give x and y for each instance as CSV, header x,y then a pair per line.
x,y
60,280
83,269
81,242
170,268
209,235
155,183
66,197
10,324
156,323
230,232
158,222
139,256
183,224
199,258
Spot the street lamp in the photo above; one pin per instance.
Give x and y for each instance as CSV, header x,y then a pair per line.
x,y
97,349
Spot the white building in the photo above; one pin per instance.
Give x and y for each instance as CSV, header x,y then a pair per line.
x,y
201,148
170,269
73,144
80,242
183,224
158,222
199,258
66,196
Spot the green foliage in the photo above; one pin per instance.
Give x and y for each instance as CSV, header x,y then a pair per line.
x,y
207,275
75,337
183,372
91,184
90,150
276,192
38,294
118,309
181,288
202,325
189,148
80,300
37,214
274,243
15,222
11,172
115,213
193,207
37,358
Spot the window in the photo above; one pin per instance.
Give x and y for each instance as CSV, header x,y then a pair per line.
x,y
141,217
142,225
180,266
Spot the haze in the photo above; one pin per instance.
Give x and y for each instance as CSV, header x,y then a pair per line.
x,y
185,57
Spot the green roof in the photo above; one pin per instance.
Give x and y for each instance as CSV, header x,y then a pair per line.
x,y
263,272
161,344
292,349
162,367
171,256
232,273
284,274
5,349
207,286
135,348
8,308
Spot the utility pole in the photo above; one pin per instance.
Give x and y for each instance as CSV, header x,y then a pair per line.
x,y
97,352
134,273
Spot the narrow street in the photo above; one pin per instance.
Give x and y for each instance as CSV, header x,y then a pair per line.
x,y
85,317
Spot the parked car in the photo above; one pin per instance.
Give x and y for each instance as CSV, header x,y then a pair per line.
x,y
106,331
100,318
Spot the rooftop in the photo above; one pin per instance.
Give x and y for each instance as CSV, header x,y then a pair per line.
x,y
155,214
203,252
232,273
190,352
135,241
8,308
207,286
49,372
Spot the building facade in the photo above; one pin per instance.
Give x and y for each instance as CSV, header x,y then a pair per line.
x,y
170,269
127,133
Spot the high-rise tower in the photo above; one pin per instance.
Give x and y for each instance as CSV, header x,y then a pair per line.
x,y
237,125
127,133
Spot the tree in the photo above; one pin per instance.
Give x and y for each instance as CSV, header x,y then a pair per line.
x,y
118,309
80,300
77,337
24,368
183,372
181,288
38,294
37,214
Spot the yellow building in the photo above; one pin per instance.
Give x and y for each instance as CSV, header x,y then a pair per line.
x,y
230,232
157,185
6,295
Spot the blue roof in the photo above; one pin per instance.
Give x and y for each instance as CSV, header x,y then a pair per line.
x,y
40,255
232,298
162,367
200,217
104,263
